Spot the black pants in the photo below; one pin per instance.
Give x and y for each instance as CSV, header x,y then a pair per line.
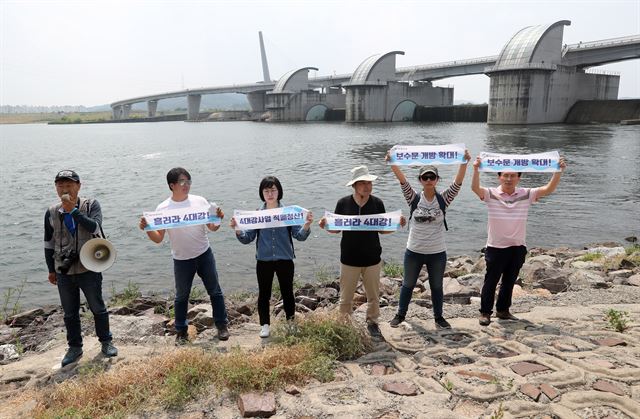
x,y
284,270
501,262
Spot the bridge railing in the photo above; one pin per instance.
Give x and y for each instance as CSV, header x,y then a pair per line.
x,y
631,39
603,72
527,66
479,60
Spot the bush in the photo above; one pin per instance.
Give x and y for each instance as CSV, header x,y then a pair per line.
x,y
393,269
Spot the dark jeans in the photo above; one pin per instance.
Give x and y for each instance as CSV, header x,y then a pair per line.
x,y
184,271
501,262
284,270
69,287
413,263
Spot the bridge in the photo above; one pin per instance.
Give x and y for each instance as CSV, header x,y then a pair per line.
x,y
533,80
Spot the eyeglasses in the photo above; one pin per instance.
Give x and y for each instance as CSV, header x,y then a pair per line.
x,y
428,177
424,218
183,182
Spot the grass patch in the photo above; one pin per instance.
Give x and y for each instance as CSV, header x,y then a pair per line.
x,y
276,292
126,297
393,269
324,275
618,320
303,351
629,250
590,257
198,294
11,301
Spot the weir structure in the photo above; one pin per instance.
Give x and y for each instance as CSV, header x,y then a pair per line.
x,y
535,79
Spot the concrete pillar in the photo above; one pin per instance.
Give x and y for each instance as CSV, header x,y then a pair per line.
x,y
152,107
126,109
193,107
117,112
257,101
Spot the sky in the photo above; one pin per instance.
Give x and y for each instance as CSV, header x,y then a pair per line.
x,y
93,52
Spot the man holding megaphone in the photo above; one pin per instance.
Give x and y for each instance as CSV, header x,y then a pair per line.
x,y
68,226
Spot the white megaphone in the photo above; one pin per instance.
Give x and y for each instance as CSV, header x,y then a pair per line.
x,y
98,255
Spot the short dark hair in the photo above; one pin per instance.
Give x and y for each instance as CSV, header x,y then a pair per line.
x,y
519,174
268,182
174,175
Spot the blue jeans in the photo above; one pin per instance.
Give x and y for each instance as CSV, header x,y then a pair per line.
x,y
413,263
501,262
184,271
69,287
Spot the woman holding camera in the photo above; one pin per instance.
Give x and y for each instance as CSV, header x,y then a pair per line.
x,y
274,253
426,244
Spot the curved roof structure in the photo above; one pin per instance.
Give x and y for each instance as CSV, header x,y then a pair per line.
x,y
374,66
291,81
527,45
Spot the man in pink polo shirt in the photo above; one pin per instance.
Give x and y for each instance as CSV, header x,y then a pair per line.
x,y
506,249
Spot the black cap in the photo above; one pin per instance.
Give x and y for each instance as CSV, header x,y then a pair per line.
x,y
67,174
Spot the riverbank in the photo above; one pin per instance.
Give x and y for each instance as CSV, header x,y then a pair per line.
x,y
563,358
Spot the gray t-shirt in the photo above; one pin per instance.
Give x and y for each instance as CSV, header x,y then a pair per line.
x,y
426,228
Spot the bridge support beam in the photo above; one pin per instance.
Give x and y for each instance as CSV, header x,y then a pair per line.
x,y
126,110
257,101
193,107
117,112
152,107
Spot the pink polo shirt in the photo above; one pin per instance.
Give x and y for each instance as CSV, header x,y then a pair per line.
x,y
507,224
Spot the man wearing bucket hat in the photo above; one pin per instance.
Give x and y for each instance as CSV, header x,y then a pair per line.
x,y
360,250
68,225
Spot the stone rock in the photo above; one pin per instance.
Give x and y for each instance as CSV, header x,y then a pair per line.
x,y
326,293
203,321
480,266
476,374
526,368
257,405
549,391
611,342
608,387
546,260
378,369
620,273
531,391
473,280
608,252
308,302
579,264
8,352
25,318
291,389
554,280
200,308
401,388
633,280
631,239
245,309
585,278
423,302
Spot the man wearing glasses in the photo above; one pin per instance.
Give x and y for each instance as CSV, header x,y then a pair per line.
x,y
192,254
505,252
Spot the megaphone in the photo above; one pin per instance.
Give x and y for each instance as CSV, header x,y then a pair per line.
x,y
98,255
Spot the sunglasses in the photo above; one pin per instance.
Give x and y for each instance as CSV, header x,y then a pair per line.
x,y
428,177
183,182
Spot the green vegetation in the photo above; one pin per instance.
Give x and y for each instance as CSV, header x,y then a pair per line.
x,y
126,297
393,269
11,301
448,385
498,413
302,351
197,293
618,320
590,257
630,250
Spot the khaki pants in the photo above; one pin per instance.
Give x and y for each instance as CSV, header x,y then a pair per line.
x,y
349,277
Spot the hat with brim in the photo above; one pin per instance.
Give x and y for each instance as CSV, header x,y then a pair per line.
x,y
67,174
361,173
428,169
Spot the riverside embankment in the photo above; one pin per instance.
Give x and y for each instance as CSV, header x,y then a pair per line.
x,y
564,358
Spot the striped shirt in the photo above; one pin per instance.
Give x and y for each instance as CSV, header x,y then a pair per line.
x,y
427,235
507,224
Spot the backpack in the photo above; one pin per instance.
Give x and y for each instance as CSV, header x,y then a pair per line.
x,y
441,203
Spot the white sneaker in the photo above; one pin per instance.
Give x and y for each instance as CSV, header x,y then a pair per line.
x,y
264,331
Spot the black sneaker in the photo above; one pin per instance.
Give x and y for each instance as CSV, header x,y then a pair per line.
x,y
109,350
72,355
374,330
395,322
223,333
441,323
182,337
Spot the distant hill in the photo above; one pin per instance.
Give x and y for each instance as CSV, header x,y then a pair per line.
x,y
224,101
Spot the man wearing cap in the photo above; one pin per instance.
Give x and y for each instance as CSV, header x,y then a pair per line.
x,y
360,250
508,208
68,225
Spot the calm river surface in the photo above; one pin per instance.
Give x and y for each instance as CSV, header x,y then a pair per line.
x,y
124,167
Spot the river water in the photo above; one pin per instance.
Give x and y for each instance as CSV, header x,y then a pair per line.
x,y
124,167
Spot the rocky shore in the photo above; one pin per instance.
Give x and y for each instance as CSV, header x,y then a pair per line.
x,y
562,359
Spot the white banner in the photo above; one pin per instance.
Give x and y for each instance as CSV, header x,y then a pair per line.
x,y
408,155
540,162
269,218
182,217
388,221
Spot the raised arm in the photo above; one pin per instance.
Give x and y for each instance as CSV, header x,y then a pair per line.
x,y
550,187
396,170
155,236
462,168
475,181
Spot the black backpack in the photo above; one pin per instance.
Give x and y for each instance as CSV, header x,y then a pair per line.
x,y
441,203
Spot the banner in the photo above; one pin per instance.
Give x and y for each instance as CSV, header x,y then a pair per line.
x,y
409,155
181,217
389,221
540,162
269,218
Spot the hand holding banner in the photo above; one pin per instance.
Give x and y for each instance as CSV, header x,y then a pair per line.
x,y
408,155
269,218
388,221
181,217
540,162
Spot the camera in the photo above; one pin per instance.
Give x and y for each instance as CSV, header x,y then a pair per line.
x,y
66,261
